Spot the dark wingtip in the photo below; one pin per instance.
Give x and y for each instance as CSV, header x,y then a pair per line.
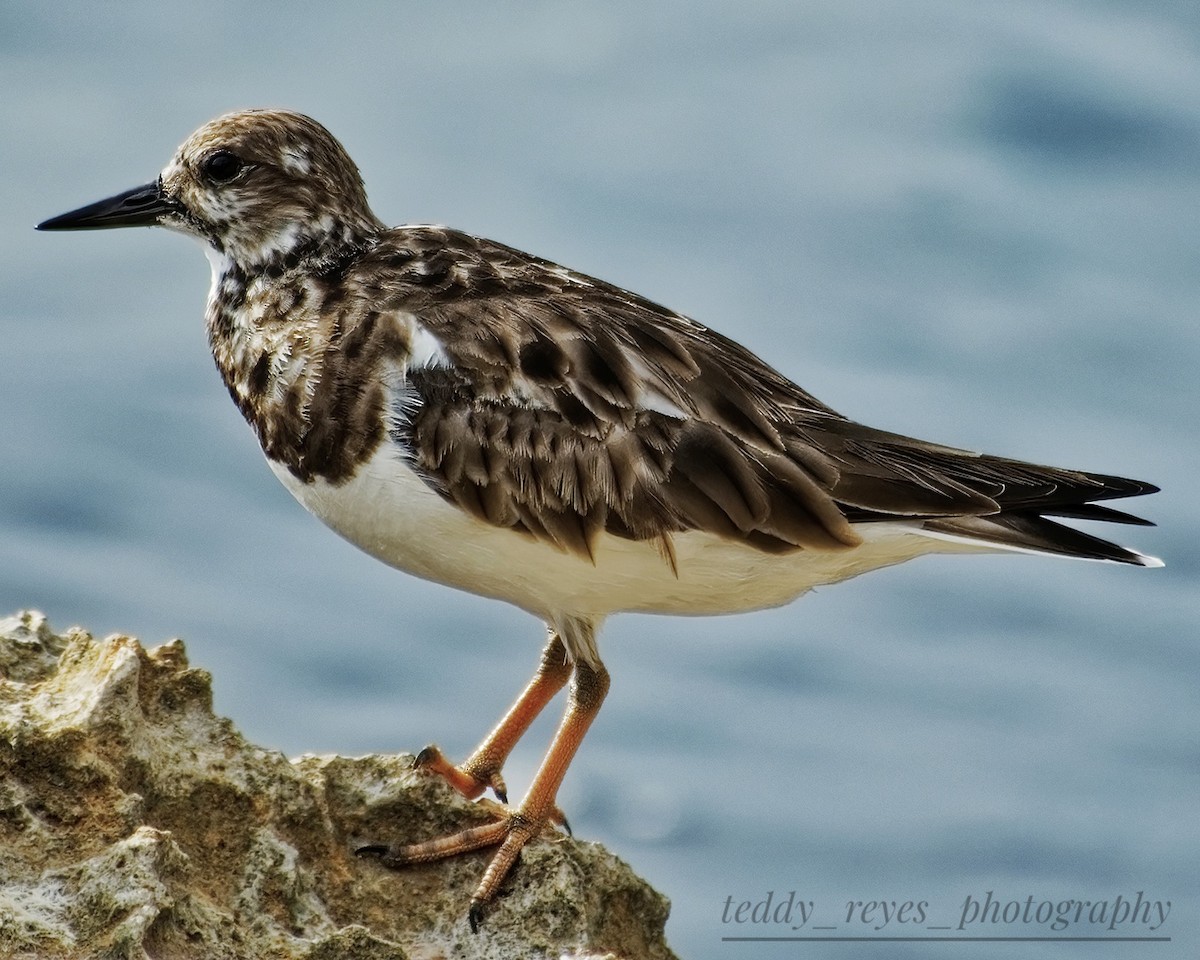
x,y
1093,511
1117,488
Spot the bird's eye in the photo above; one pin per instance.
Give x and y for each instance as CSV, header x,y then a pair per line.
x,y
221,166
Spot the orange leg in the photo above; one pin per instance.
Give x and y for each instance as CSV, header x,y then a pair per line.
x,y
588,688
482,769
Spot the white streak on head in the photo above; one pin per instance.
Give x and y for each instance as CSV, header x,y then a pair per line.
x,y
295,161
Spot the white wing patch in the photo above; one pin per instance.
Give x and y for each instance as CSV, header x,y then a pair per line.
x,y
425,350
651,396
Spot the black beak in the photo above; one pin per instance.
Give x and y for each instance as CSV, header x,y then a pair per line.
x,y
142,206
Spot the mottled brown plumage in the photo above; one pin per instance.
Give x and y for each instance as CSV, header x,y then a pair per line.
x,y
550,418
490,420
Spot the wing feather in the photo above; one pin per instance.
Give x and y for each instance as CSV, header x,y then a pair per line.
x,y
569,407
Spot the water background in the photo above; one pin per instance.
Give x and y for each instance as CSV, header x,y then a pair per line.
x,y
976,223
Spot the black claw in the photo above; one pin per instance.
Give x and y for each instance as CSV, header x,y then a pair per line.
x,y
371,850
501,794
475,915
567,826
422,758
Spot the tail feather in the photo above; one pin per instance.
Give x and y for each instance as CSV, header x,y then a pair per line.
x,y
1092,511
1031,532
981,500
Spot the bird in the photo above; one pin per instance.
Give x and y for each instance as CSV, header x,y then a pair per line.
x,y
493,421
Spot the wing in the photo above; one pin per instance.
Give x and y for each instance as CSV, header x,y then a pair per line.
x,y
566,407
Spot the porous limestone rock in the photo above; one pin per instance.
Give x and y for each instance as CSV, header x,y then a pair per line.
x,y
135,824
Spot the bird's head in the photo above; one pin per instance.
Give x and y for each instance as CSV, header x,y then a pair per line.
x,y
258,186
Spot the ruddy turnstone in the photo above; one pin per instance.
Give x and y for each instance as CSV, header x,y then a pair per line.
x,y
495,422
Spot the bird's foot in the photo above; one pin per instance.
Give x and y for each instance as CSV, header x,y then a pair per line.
x,y
511,832
470,779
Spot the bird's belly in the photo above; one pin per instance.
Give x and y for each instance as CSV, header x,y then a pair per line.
x,y
387,510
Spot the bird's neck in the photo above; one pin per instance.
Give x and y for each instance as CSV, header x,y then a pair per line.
x,y
259,288
276,336
314,244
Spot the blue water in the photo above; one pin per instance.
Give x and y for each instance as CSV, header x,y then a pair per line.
x,y
977,223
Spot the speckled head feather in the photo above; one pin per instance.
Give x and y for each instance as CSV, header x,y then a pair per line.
x,y
261,185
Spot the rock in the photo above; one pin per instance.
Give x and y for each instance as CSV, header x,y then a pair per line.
x,y
135,824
